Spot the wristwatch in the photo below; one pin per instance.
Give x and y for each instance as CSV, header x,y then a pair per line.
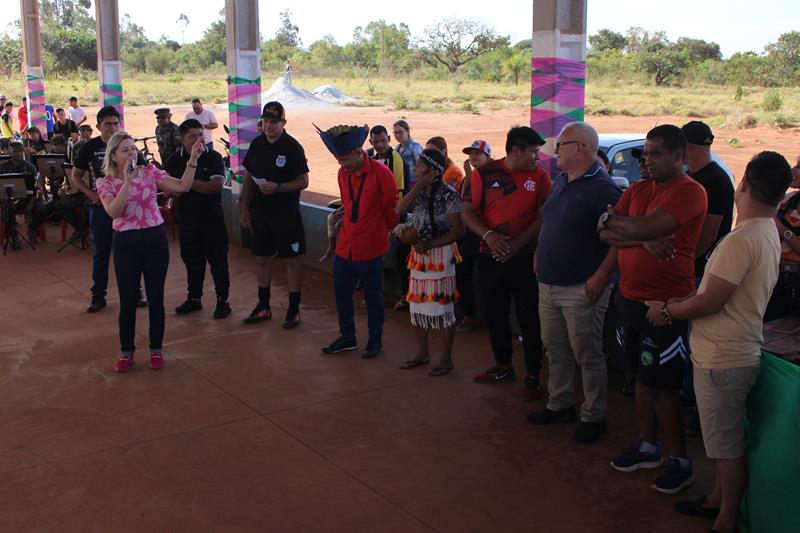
x,y
788,234
280,187
665,314
604,219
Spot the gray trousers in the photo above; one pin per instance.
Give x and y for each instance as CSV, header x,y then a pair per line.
x,y
572,331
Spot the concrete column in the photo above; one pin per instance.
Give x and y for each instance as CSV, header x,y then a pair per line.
x,y
109,65
244,80
558,66
32,61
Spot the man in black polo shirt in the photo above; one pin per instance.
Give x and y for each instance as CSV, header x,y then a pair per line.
x,y
276,172
90,159
719,189
201,221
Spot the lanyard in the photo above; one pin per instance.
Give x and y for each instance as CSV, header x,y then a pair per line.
x,y
355,199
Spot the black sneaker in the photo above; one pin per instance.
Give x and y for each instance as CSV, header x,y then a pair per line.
x,y
142,300
633,459
258,314
189,306
373,348
342,344
589,432
292,320
496,373
223,308
97,303
546,416
675,477
695,508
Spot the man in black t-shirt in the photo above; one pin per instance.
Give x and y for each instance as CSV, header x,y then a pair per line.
x,y
718,186
33,208
90,160
65,126
201,222
276,172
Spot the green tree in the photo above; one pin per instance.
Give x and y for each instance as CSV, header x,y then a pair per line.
x,y
288,35
606,39
159,59
663,62
10,55
66,50
71,15
698,49
784,56
183,22
454,42
517,64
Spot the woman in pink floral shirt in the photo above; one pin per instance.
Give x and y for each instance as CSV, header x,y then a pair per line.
x,y
140,243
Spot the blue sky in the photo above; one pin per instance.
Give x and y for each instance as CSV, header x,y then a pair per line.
x,y
737,25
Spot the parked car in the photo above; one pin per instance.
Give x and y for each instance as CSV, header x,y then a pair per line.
x,y
623,167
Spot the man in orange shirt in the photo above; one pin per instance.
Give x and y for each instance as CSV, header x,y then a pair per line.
x,y
655,227
503,209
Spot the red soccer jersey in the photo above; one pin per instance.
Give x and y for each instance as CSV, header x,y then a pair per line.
x,y
642,276
508,201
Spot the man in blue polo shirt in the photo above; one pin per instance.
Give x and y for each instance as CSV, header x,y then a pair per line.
x,y
573,267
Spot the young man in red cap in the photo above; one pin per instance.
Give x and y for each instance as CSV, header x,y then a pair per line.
x,y
276,172
369,196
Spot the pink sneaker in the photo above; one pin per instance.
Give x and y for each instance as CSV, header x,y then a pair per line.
x,y
156,360
124,364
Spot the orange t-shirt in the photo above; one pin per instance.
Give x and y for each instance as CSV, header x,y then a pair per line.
x,y
642,276
508,201
454,177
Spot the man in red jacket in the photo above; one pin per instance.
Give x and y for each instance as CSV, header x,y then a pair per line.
x,y
369,196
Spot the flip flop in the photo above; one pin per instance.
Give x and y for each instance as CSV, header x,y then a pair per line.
x,y
440,370
413,363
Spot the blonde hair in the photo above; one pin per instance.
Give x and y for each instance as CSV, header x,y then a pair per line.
x,y
109,167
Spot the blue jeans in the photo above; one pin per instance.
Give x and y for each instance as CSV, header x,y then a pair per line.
x,y
346,275
136,253
102,233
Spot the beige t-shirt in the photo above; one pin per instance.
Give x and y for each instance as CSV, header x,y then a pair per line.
x,y
748,257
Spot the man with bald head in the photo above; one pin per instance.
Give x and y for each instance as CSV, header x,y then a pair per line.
x,y
573,267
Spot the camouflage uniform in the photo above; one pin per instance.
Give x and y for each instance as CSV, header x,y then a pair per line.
x,y
168,137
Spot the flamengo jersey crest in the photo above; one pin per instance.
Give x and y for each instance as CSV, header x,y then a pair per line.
x,y
530,185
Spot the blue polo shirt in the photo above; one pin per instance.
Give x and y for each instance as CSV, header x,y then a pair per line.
x,y
569,249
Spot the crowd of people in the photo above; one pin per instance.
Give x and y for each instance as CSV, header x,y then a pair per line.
x,y
664,254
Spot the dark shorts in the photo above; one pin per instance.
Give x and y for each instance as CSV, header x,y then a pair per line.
x,y
657,354
278,232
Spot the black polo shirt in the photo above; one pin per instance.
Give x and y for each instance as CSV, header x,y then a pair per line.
x,y
90,159
281,162
193,205
719,190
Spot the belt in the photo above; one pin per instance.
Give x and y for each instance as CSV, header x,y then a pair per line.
x,y
790,267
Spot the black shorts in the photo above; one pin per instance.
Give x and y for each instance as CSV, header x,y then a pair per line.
x,y
657,354
277,232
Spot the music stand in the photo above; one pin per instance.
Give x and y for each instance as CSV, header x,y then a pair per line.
x,y
4,158
13,188
50,166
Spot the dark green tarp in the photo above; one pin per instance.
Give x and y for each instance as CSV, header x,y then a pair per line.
x,y
771,502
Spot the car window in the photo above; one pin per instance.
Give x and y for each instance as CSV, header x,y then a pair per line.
x,y
624,165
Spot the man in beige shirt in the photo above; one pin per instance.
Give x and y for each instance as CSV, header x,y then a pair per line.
x,y
727,313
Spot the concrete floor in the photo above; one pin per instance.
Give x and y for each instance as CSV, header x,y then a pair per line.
x,y
250,428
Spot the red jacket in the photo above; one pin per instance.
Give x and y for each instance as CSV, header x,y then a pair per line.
x,y
22,114
367,237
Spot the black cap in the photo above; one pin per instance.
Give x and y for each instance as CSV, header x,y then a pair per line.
x,y
84,127
697,132
162,111
273,110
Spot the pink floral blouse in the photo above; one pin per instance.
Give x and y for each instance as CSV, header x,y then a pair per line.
x,y
141,210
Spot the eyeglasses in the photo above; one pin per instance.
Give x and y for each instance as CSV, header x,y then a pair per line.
x,y
562,143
